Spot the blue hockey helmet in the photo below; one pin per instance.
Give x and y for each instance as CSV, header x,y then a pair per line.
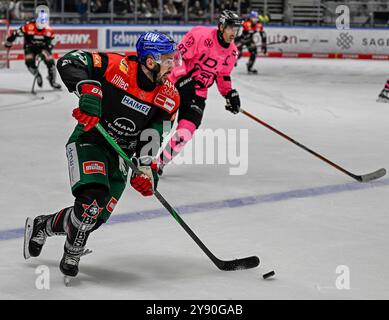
x,y
253,14
154,44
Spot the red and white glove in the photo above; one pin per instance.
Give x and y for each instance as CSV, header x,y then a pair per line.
x,y
88,121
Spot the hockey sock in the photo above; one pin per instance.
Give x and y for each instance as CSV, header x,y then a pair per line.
x,y
181,137
83,217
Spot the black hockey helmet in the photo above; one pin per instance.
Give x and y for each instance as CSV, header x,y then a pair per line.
x,y
229,18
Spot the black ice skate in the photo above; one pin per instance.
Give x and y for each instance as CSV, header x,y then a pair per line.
x,y
69,264
383,96
52,77
252,71
34,236
39,80
54,84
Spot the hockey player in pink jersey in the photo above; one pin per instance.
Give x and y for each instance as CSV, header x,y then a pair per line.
x,y
208,55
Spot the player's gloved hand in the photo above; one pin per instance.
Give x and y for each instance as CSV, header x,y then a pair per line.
x,y
233,101
89,111
88,121
147,181
7,44
186,88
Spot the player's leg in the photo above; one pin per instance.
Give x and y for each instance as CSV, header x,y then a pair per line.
x,y
189,119
30,61
118,172
49,61
253,55
57,223
89,178
88,171
89,181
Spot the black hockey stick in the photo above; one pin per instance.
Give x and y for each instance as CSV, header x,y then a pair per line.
x,y
35,77
360,178
225,265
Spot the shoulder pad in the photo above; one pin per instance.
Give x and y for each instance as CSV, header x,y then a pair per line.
x,y
167,97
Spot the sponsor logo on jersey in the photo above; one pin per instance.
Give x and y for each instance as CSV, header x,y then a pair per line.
x,y
123,66
74,171
119,82
125,124
97,63
97,92
65,62
208,43
92,210
121,129
111,205
170,89
135,105
164,102
91,167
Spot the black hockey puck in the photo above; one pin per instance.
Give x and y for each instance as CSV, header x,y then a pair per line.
x,y
268,274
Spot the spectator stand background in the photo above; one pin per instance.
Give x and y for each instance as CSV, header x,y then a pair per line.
x,y
364,13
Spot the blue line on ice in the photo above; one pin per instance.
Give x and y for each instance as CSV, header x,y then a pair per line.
x,y
222,204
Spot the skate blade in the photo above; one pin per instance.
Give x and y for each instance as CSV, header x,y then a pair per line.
x,y
67,280
86,252
27,236
382,100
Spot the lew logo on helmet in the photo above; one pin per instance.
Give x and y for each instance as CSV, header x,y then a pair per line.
x,y
150,36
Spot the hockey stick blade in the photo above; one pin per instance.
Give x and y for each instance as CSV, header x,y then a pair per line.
x,y
238,264
371,176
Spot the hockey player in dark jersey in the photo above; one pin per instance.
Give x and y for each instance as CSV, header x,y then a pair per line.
x,y
38,38
251,26
126,95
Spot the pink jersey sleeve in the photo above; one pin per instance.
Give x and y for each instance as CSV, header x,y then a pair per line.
x,y
188,50
223,79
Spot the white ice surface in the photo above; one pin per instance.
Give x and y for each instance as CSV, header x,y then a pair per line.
x,y
328,105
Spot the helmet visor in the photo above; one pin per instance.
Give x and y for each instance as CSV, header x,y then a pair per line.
x,y
234,29
173,59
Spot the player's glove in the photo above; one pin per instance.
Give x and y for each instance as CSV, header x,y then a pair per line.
x,y
89,111
233,101
186,88
147,181
8,44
